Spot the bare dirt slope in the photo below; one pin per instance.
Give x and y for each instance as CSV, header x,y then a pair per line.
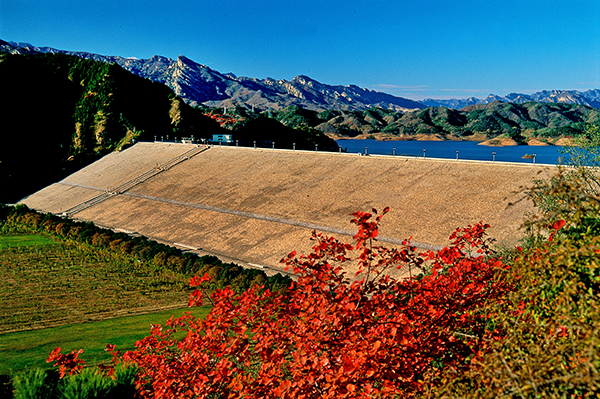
x,y
255,206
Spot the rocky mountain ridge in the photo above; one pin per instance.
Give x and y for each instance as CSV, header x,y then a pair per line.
x,y
199,84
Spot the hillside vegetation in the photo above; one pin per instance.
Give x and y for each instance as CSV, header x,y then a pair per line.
x,y
76,271
520,122
62,112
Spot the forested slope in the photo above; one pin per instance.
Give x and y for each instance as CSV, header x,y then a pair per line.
x,y
61,112
520,122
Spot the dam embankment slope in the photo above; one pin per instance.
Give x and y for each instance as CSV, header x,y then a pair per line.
x,y
256,205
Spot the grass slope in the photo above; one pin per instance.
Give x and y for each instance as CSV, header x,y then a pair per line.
x,y
12,241
29,349
80,290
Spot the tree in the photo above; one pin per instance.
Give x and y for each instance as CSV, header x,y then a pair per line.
x,y
584,156
551,346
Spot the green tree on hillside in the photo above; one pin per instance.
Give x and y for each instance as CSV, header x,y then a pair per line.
x,y
584,156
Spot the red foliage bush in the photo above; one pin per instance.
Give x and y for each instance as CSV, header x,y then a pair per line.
x,y
222,119
331,335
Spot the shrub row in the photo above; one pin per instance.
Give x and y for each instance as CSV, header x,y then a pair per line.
x,y
21,219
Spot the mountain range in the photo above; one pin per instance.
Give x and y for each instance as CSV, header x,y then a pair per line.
x,y
591,98
198,84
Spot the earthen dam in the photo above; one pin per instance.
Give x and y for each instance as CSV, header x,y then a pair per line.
x,y
254,206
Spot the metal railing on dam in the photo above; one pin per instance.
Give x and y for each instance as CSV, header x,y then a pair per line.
x,y
366,153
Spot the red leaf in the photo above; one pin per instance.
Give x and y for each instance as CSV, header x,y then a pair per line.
x,y
196,281
558,224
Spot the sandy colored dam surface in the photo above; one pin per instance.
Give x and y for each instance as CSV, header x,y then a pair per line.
x,y
254,206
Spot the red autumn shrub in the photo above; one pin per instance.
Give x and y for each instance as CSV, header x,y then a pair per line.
x,y
68,362
332,335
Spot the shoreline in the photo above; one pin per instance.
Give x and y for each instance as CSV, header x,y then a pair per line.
x,y
495,142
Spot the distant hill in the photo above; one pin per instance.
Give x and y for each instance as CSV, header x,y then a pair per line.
x,y
199,84
61,112
519,122
591,98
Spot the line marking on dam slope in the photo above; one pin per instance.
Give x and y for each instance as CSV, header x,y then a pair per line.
x,y
250,215
276,219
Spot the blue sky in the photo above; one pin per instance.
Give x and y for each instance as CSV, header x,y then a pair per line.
x,y
415,49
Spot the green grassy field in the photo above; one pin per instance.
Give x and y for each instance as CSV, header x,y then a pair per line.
x,y
28,349
7,241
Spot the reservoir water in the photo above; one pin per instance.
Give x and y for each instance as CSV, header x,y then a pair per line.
x,y
448,149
